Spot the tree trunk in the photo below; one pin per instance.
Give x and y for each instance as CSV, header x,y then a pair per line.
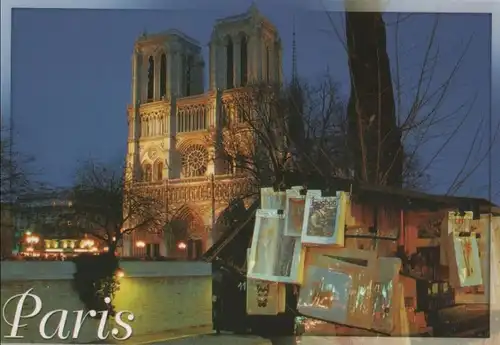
x,y
374,137
112,246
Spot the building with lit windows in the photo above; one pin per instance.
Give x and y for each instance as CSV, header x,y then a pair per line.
x,y
171,117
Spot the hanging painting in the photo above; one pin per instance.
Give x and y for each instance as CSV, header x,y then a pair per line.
x,y
274,256
324,219
338,292
294,211
465,268
453,222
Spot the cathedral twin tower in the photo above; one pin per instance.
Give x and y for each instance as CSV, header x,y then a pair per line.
x,y
168,87
172,115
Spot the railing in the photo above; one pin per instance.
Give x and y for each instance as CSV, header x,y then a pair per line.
x,y
194,113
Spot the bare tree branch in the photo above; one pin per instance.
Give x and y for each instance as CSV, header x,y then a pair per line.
x,y
106,206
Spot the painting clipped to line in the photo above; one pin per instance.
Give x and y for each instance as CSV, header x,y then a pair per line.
x,y
274,256
453,222
324,219
337,291
466,270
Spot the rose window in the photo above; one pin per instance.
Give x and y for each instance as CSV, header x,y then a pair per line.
x,y
194,161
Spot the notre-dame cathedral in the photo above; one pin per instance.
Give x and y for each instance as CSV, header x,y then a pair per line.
x,y
171,117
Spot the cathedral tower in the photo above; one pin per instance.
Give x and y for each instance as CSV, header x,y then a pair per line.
x,y
165,66
244,48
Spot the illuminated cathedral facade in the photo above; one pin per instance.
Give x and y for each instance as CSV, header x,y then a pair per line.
x,y
172,118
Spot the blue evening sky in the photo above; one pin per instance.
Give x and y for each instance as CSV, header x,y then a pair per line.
x,y
71,77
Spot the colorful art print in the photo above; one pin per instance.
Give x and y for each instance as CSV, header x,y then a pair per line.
x,y
468,262
274,256
272,200
294,212
322,214
324,222
325,294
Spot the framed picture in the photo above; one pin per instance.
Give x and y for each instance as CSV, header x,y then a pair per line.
x,y
337,291
324,219
272,200
294,212
465,267
453,222
274,256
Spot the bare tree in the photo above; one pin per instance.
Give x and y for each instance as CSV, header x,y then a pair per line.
x,y
270,129
415,107
16,171
105,206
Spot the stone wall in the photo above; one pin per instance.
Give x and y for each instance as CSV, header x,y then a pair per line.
x,y
163,296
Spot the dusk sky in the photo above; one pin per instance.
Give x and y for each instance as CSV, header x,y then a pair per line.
x,y
71,78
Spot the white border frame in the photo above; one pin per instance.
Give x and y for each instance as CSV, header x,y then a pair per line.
x,y
446,6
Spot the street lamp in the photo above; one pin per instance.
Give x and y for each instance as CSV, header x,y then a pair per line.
x,y
140,244
181,245
32,239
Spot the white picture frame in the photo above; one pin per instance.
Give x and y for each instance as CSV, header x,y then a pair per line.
x,y
338,292
274,256
324,219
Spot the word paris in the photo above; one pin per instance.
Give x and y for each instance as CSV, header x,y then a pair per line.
x,y
60,331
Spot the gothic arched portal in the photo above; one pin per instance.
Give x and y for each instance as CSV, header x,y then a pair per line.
x,y
187,228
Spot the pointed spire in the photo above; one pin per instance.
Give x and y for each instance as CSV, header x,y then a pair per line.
x,y
294,53
253,8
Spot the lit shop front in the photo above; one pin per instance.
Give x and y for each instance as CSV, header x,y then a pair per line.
x,y
35,246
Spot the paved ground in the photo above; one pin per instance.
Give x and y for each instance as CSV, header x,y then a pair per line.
x,y
212,339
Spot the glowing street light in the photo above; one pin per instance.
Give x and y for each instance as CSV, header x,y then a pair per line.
x,y
181,245
32,239
140,244
119,273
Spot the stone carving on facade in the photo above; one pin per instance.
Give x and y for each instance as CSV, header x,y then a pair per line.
x,y
153,153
